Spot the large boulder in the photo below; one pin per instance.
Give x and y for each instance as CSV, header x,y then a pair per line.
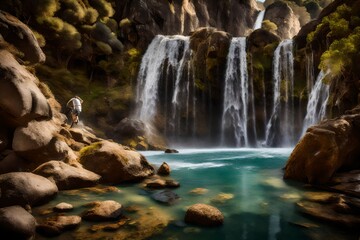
x,y
204,215
130,128
20,98
17,223
326,148
117,164
66,176
20,35
282,15
23,188
39,142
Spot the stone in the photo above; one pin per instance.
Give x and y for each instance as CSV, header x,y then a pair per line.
x,y
20,35
63,207
103,211
22,188
164,169
118,165
324,149
166,196
171,151
54,226
66,176
17,223
20,98
283,16
204,215
329,215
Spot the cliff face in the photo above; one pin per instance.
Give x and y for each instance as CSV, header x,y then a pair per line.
x,y
172,17
332,42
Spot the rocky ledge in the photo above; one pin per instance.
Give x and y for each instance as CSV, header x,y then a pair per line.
x,y
327,159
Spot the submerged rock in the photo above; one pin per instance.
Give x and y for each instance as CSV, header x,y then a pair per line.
x,y
103,211
329,214
204,215
54,226
166,196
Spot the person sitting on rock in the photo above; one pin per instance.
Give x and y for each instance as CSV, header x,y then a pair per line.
x,y
74,104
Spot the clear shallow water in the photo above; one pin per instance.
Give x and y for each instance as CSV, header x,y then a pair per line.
x,y
259,205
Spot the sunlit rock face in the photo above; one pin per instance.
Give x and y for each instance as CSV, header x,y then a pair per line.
x,y
282,15
172,17
325,149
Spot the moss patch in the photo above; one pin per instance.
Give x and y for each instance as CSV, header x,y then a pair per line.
x,y
85,151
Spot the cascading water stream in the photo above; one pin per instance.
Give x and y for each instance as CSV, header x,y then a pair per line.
x,y
236,96
280,128
316,107
164,52
259,20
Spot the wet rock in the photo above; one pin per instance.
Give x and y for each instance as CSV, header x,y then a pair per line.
x,y
66,176
162,183
117,164
147,222
17,223
171,151
221,198
164,169
166,196
328,214
109,227
103,211
204,215
22,188
54,226
63,207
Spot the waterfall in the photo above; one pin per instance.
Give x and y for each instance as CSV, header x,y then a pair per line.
x,y
259,20
236,95
164,54
280,127
316,107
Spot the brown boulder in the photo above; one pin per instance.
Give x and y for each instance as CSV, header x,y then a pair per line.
x,y
20,35
324,149
39,142
204,215
66,176
282,15
117,164
22,188
17,223
20,98
164,169
103,211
